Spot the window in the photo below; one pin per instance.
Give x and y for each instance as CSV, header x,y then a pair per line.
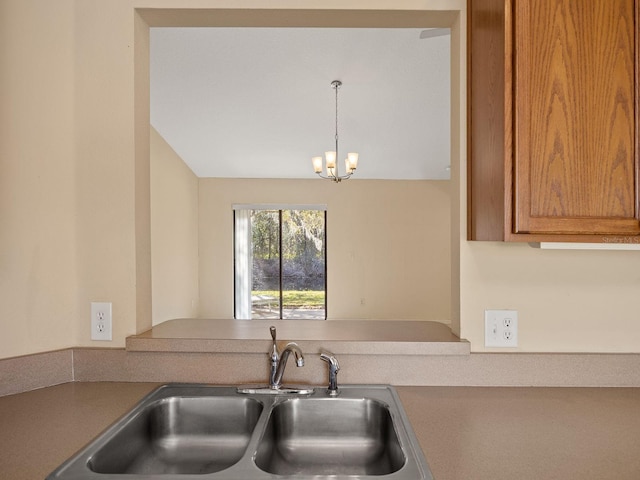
x,y
280,262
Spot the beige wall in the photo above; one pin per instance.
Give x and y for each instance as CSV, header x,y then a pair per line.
x,y
174,234
106,170
73,224
388,244
67,184
568,301
38,178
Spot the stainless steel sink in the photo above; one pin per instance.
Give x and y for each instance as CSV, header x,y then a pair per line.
x,y
181,435
332,436
184,431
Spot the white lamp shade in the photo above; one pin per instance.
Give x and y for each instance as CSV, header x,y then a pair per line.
x,y
331,159
352,160
317,164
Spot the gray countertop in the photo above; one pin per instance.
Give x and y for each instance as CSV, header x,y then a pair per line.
x,y
466,432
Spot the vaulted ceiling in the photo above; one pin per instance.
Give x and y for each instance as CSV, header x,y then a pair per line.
x,y
257,102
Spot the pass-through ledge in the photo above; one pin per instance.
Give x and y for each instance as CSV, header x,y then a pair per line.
x,y
381,337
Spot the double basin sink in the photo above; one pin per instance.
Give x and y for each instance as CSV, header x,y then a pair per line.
x,y
182,431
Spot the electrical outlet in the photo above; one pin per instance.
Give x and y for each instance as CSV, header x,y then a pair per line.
x,y
500,328
101,321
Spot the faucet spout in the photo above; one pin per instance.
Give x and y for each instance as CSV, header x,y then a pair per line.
x,y
292,347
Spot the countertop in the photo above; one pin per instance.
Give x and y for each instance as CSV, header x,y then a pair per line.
x,y
399,337
466,432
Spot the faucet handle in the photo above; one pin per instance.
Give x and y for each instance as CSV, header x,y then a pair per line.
x,y
334,367
273,354
274,357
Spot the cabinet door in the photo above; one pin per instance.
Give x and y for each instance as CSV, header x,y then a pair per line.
x,y
575,117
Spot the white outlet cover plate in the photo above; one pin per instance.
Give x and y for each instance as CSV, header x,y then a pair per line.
x,y
101,321
501,328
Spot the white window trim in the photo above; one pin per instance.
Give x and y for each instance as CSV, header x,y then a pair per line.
x,y
278,206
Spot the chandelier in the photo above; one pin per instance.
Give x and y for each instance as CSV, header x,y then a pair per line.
x,y
351,162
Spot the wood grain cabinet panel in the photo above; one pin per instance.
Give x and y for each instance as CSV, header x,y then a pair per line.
x,y
568,138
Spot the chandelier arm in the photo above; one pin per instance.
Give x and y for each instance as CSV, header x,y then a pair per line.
x,y
336,178
329,177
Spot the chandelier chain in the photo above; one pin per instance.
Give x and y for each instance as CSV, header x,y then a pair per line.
x,y
336,86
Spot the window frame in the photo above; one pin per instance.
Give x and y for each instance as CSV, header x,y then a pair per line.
x,y
280,208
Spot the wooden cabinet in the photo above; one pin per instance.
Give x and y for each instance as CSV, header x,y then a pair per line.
x,y
553,120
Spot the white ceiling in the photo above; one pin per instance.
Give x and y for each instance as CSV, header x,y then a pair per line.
x,y
258,102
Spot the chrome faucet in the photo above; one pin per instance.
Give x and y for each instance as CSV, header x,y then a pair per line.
x,y
334,367
279,360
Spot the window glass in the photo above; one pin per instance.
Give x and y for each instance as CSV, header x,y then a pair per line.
x,y
280,263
